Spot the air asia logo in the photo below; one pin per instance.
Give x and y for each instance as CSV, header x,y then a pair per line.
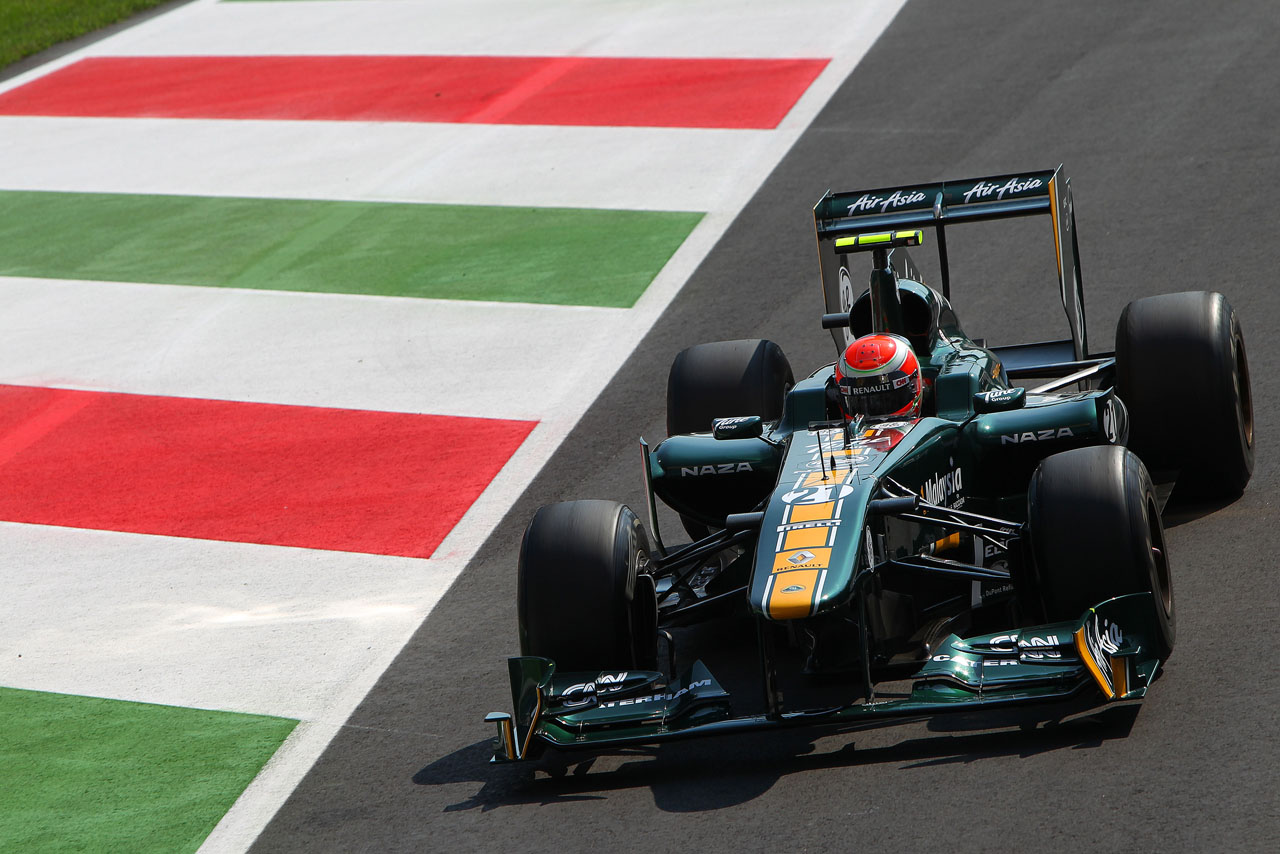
x,y
868,202
942,488
1014,185
1037,436
719,468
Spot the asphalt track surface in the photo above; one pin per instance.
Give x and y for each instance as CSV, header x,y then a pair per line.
x,y
1165,114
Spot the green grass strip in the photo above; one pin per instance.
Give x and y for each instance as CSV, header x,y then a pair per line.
x,y
86,774
30,26
545,255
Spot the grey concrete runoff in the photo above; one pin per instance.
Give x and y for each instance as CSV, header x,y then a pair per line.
x,y
1164,113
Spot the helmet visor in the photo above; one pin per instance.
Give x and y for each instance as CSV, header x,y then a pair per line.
x,y
879,395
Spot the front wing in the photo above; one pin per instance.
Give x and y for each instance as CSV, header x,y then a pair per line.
x,y
1106,656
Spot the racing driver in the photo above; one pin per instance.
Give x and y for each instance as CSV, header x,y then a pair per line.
x,y
878,379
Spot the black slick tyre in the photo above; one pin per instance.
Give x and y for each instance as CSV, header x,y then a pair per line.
x,y
585,598
724,378
1180,358
1096,534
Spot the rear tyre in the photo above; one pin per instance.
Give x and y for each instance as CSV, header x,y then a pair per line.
x,y
585,596
708,381
1096,534
724,378
1180,358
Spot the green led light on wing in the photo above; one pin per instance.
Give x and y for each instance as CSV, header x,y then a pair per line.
x,y
880,240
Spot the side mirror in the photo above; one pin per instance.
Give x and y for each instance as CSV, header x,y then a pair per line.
x,y
1000,400
839,320
741,427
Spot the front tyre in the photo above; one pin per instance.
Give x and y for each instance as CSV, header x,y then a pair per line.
x,y
1182,371
1096,534
585,598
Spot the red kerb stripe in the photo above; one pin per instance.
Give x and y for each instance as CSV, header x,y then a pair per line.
x,y
706,93
341,479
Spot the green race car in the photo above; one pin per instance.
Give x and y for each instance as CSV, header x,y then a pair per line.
x,y
997,549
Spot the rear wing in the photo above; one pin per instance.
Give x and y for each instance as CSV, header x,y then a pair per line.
x,y
839,216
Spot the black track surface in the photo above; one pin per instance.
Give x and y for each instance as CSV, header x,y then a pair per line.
x,y
1166,115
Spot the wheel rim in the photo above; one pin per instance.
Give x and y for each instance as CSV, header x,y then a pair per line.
x,y
1243,393
1163,584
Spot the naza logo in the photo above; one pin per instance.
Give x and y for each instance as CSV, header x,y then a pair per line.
x,y
1036,436
719,468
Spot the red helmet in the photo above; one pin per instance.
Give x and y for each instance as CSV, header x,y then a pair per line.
x,y
879,377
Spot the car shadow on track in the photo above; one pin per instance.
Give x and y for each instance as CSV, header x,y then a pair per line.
x,y
1179,511
730,770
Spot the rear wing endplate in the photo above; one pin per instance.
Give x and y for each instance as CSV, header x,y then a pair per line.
x,y
839,216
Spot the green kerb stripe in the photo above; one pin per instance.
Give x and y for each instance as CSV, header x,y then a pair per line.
x,y
545,255
85,774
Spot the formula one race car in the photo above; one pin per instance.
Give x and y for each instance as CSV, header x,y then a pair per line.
x,y
999,549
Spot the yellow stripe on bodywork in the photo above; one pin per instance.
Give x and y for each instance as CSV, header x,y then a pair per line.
x,y
1057,241
946,543
828,478
787,604
812,512
1120,674
805,538
533,724
509,738
819,559
815,478
1087,658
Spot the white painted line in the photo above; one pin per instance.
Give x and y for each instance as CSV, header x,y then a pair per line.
x,y
383,353
629,168
292,632
183,622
